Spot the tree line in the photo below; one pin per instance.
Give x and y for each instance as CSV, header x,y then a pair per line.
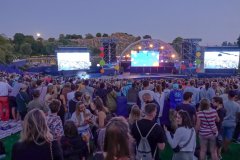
x,y
23,46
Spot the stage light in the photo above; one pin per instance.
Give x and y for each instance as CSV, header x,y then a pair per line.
x,y
128,55
173,55
38,35
139,47
98,65
162,47
161,60
151,45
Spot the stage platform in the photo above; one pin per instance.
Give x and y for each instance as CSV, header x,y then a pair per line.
x,y
138,76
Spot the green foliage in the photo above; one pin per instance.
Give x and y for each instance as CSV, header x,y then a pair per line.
x,y
177,44
147,37
50,47
26,49
18,38
29,39
6,50
89,36
105,35
98,35
73,36
51,39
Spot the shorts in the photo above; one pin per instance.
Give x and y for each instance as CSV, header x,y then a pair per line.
x,y
12,102
227,132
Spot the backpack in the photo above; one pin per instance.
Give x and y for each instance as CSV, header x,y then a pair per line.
x,y
143,151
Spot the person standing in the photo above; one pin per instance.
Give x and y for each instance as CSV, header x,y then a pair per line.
x,y
22,100
206,125
186,106
147,128
183,141
36,141
229,121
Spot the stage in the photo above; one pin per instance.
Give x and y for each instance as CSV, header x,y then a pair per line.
x,y
135,76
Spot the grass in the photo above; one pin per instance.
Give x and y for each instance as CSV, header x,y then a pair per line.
x,y
232,154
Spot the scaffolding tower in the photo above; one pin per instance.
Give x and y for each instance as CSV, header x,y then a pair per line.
x,y
189,49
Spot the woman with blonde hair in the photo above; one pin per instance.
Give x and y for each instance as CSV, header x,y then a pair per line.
x,y
36,141
134,115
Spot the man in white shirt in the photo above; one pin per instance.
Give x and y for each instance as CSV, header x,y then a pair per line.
x,y
5,88
143,91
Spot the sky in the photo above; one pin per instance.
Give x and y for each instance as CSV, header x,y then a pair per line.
x,y
214,21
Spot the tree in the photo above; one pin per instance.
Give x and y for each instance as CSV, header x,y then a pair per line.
x,y
61,37
225,43
147,37
26,49
89,36
6,50
18,39
29,39
51,39
50,47
177,44
105,35
98,35
238,41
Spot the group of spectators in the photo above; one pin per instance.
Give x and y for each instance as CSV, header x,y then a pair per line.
x,y
113,119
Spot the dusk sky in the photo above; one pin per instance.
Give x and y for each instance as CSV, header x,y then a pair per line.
x,y
214,21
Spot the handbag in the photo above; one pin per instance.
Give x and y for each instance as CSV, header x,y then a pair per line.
x,y
51,152
178,148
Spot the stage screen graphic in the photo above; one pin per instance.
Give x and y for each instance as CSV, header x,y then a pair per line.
x,y
221,60
144,59
73,61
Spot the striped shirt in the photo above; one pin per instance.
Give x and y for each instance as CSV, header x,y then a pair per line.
x,y
207,122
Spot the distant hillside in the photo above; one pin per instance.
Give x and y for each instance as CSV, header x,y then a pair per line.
x,y
123,40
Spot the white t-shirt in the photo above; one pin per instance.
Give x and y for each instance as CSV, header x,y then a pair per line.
x,y
141,93
4,88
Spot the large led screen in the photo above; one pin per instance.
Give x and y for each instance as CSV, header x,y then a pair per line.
x,y
221,60
144,58
73,61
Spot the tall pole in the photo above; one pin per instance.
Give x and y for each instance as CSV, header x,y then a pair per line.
x,y
109,53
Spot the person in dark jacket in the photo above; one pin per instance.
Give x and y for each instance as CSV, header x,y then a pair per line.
x,y
74,148
22,100
73,102
36,141
102,93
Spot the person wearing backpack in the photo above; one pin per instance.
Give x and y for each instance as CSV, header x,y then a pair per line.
x,y
149,135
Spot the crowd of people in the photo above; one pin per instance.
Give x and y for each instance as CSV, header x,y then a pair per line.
x,y
122,119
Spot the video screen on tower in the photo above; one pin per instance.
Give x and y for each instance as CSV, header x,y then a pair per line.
x,y
221,60
73,61
144,59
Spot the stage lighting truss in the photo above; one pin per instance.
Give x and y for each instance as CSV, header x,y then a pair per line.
x,y
189,49
109,45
